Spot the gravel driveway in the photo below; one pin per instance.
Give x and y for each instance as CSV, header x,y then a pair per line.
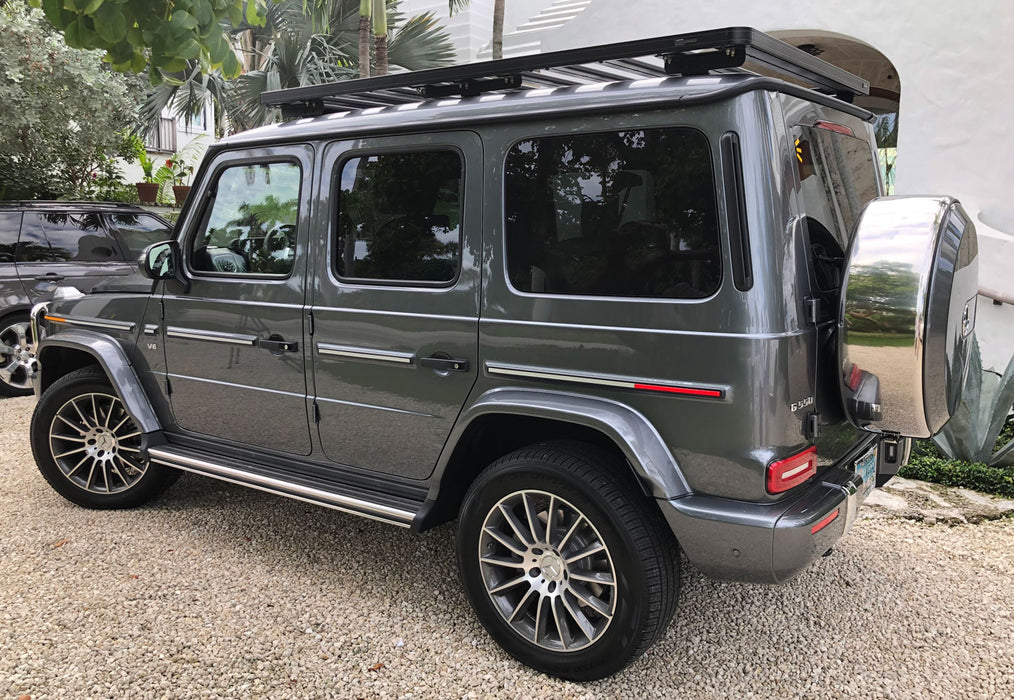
x,y
220,591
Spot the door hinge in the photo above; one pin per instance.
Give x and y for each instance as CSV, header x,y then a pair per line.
x,y
813,311
309,322
161,309
168,387
812,425
316,412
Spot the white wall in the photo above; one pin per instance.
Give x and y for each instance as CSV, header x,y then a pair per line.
x,y
472,28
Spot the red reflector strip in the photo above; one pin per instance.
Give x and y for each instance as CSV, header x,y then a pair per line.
x,y
710,393
825,522
836,128
855,377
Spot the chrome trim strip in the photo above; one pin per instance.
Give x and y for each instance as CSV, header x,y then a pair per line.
x,y
355,353
150,329
184,377
677,388
90,322
347,504
211,336
652,331
385,312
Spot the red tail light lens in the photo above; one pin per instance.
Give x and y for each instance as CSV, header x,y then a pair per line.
x,y
792,471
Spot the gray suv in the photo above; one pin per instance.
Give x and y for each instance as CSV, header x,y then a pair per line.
x,y
607,308
44,245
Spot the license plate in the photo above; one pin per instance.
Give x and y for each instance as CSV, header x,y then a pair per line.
x,y
866,467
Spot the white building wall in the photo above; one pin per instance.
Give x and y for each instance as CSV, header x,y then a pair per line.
x,y
472,29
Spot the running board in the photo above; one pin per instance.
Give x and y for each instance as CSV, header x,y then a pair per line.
x,y
330,495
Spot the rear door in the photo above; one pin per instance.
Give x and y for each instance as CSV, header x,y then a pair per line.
x,y
234,340
396,297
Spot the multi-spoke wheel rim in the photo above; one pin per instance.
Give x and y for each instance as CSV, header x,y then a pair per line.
x,y
96,444
547,571
17,361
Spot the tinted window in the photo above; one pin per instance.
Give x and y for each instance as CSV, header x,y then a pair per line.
x,y
138,231
629,213
10,222
74,237
251,227
399,217
32,244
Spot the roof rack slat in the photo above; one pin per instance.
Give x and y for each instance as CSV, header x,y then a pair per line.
x,y
685,54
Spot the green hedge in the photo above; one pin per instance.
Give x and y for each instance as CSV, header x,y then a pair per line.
x,y
967,475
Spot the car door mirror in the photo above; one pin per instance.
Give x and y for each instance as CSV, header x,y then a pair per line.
x,y
161,261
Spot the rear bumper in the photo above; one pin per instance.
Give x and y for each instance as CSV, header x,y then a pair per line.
x,y
765,543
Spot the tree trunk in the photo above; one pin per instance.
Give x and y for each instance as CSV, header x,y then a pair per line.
x,y
365,37
498,6
380,32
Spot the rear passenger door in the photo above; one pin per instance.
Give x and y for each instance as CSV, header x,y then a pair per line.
x,y
395,297
67,249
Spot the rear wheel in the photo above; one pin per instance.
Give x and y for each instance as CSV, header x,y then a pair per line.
x,y
89,448
570,568
17,356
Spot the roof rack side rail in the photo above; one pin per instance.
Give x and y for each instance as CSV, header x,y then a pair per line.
x,y
685,54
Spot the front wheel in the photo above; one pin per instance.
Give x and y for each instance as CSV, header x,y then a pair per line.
x,y
89,448
17,356
570,568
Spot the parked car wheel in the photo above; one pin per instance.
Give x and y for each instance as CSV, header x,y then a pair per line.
x,y
569,566
89,448
17,362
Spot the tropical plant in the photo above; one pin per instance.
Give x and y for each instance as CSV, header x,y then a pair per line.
x,y
300,43
62,111
146,162
161,35
178,167
972,433
496,43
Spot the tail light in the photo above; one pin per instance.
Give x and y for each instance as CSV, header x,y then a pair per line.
x,y
792,471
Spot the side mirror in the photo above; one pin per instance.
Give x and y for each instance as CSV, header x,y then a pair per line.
x,y
162,261
907,314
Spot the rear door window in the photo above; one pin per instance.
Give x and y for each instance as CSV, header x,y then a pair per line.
x,y
72,237
10,223
138,231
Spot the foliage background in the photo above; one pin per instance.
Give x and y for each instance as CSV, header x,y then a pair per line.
x,y
62,111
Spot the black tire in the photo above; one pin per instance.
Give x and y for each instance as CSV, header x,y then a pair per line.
x,y
561,583
88,447
18,365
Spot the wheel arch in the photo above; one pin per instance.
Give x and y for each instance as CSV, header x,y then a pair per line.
x,y
505,419
73,349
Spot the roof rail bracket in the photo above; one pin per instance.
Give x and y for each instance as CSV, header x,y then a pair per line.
x,y
702,61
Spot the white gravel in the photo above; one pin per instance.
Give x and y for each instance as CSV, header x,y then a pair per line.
x,y
219,591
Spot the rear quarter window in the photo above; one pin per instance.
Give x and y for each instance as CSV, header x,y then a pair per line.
x,y
10,223
617,214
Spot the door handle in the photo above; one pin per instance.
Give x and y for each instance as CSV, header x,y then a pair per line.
x,y
50,277
277,345
444,364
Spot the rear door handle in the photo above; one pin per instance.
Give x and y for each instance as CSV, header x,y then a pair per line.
x,y
444,364
50,277
278,346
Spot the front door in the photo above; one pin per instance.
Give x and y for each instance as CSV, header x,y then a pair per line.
x,y
396,298
234,341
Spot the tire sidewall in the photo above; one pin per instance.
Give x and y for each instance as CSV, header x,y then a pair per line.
x,y
614,649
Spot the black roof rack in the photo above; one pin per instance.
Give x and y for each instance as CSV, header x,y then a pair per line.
x,y
697,53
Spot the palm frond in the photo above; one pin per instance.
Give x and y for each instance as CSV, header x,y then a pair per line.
x,y
420,43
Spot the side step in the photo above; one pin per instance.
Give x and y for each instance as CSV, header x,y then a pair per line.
x,y
330,494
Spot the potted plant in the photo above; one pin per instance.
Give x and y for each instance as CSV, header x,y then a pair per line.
x,y
147,190
177,170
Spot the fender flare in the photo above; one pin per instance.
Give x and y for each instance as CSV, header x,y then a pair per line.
x,y
110,355
632,432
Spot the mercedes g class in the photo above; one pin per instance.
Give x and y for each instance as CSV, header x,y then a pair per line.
x,y
602,306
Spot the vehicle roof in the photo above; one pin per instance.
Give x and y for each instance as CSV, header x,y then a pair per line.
x,y
86,206
521,105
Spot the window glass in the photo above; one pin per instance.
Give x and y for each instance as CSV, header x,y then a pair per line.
x,y
73,237
399,217
251,228
32,243
838,178
629,213
138,231
10,222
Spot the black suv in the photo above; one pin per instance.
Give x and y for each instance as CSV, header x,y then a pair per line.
x,y
44,245
600,306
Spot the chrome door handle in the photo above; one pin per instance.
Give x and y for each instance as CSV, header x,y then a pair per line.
x,y
50,277
278,346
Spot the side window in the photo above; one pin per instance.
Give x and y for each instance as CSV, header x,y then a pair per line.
x,y
32,244
138,231
399,217
10,223
628,213
250,227
72,237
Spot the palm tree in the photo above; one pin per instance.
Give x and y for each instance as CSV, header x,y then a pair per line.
x,y
365,36
498,11
301,43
